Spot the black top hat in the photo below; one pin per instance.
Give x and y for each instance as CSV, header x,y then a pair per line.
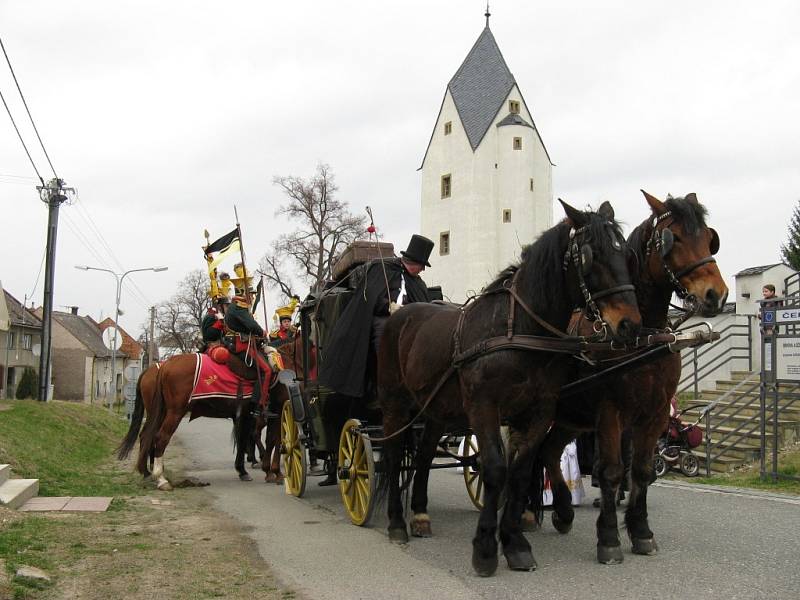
x,y
419,250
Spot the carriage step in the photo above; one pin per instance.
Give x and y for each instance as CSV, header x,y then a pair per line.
x,y
16,492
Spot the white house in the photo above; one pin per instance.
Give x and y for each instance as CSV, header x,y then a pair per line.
x,y
486,175
750,281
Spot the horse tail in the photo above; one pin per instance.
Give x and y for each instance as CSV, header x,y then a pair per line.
x,y
151,427
125,447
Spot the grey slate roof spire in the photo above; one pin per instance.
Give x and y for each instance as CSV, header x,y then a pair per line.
x,y
480,85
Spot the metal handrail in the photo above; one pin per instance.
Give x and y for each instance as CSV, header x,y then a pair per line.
x,y
709,409
720,357
792,281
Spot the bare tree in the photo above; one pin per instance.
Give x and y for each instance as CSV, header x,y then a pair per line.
x,y
178,319
325,226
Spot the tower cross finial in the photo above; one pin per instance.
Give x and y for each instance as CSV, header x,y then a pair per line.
x,y
487,14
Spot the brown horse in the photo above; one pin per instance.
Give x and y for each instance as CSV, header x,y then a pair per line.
x,y
581,261
163,392
269,450
675,249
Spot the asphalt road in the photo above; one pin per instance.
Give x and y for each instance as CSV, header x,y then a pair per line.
x,y
714,543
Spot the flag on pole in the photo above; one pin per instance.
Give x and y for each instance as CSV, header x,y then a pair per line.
x,y
223,243
233,248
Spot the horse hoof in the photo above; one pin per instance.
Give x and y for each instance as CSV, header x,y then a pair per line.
x,y
421,526
529,522
398,536
279,479
484,566
270,477
520,560
165,487
561,525
645,546
609,555
245,477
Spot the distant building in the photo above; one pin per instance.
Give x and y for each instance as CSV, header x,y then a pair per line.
x,y
750,281
486,175
19,345
81,361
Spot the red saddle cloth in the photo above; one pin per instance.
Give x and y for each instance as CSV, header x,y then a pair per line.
x,y
213,380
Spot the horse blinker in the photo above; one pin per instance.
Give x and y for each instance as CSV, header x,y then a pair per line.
x,y
667,241
714,246
587,258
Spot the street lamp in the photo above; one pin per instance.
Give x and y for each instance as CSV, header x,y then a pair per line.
x,y
119,278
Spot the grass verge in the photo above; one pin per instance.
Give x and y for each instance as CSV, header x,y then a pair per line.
x,y
749,476
149,544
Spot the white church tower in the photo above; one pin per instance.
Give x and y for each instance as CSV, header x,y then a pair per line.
x,y
486,175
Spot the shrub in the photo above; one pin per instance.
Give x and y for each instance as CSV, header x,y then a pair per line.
x,y
28,386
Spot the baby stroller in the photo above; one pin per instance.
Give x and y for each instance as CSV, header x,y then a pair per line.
x,y
674,448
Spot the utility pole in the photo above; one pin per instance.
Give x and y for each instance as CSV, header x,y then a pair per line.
x,y
151,344
54,194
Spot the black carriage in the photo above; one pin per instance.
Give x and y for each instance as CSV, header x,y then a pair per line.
x,y
343,432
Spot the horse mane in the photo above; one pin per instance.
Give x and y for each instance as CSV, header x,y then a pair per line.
x,y
690,213
541,263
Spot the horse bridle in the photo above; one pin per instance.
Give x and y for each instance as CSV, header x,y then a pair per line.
x,y
662,243
580,254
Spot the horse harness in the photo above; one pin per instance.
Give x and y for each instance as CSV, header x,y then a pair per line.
x,y
662,244
580,254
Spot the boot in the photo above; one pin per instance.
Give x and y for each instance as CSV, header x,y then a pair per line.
x,y
330,479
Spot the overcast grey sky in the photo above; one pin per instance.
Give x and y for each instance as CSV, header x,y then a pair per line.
x,y
165,114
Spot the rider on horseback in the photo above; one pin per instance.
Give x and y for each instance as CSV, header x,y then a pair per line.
x,y
249,336
285,332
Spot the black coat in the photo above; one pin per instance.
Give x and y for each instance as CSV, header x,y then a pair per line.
x,y
239,319
343,363
209,332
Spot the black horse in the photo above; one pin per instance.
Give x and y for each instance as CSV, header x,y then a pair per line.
x,y
675,249
580,262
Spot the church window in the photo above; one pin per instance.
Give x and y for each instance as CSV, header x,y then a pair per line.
x,y
531,183
446,186
513,106
506,215
444,243
517,143
448,128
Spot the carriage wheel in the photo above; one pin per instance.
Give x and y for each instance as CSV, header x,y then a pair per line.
x,y
293,454
356,473
659,465
473,477
689,465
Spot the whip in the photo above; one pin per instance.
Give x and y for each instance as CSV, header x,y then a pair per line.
x,y
372,231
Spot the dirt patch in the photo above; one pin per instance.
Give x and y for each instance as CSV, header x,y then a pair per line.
x,y
170,545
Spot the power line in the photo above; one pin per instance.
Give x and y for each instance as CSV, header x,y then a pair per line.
x,y
25,104
86,243
92,226
36,283
19,135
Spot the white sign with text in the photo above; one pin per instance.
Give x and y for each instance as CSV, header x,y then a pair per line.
x,y
788,359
